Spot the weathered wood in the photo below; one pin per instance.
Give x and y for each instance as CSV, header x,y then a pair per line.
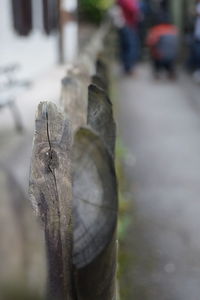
x,y
51,195
100,117
94,47
99,82
74,100
98,280
79,70
102,71
22,247
87,63
95,209
90,53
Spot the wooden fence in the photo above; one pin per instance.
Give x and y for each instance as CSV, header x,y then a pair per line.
x,y
73,186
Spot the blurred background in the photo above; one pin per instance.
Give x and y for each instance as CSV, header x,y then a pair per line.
x,y
154,69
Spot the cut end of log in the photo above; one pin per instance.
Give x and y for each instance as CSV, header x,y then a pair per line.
x,y
94,197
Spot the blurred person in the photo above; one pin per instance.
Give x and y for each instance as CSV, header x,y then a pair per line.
x,y
128,33
162,40
197,23
196,44
145,13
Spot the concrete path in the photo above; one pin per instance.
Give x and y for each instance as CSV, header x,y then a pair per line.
x,y
160,124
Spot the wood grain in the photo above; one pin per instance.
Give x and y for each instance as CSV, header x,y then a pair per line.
x,y
95,207
51,195
74,100
94,197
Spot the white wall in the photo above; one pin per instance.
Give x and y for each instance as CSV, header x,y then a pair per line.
x,y
6,30
35,53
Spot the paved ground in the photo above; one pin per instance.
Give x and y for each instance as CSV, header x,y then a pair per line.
x,y
160,125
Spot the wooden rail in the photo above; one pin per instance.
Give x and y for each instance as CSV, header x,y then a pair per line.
x,y
73,186
84,266
95,216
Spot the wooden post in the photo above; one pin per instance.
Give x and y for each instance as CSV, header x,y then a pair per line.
x,y
95,201
74,101
99,82
95,207
51,195
102,71
100,117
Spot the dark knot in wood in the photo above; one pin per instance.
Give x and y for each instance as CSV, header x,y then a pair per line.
x,y
50,159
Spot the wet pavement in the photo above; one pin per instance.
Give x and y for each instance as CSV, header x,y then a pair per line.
x,y
159,122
